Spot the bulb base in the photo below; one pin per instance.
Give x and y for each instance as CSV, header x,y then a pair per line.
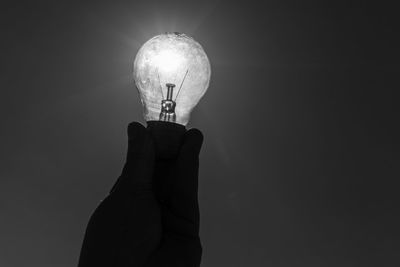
x,y
168,111
167,136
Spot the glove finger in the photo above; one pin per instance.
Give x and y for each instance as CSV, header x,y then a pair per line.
x,y
187,165
138,169
182,212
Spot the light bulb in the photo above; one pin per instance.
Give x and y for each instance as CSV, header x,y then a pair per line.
x,y
172,72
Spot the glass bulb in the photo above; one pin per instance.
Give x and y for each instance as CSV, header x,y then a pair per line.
x,y
172,72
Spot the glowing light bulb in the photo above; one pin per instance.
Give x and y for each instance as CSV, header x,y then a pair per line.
x,y
172,72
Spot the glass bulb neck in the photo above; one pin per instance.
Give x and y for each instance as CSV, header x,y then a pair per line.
x,y
168,105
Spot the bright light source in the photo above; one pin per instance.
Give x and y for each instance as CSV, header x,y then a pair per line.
x,y
172,72
168,61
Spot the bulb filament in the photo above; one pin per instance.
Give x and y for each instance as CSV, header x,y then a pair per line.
x,y
168,105
180,87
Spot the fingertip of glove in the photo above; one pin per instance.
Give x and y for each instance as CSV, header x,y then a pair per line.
x,y
195,135
140,143
136,131
193,140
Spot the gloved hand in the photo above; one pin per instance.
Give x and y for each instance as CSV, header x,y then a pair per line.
x,y
151,216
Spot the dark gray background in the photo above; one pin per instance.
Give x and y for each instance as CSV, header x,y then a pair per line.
x,y
300,159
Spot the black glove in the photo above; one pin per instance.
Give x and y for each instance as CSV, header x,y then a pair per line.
x,y
151,216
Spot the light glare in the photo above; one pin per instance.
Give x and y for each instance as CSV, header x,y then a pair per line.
x,y
168,61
